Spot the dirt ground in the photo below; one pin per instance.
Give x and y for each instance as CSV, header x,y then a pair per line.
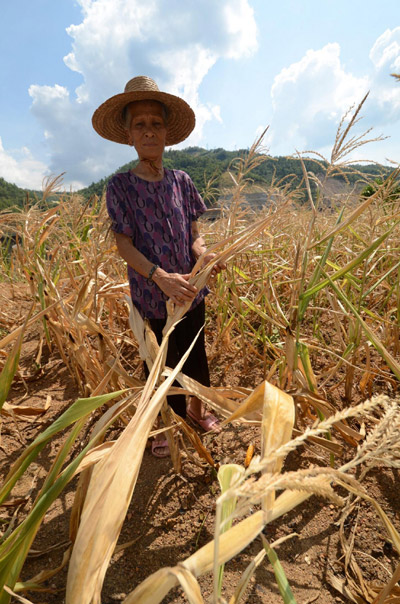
x,y
171,516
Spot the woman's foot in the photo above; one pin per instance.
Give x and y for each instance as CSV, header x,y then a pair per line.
x,y
203,418
159,446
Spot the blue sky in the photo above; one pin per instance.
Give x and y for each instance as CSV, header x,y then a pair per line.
x,y
296,66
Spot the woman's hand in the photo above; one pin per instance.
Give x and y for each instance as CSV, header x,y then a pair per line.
x,y
175,286
199,248
217,268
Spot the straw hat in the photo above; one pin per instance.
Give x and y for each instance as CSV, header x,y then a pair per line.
x,y
108,120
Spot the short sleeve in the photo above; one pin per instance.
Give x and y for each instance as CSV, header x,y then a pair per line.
x,y
118,207
197,205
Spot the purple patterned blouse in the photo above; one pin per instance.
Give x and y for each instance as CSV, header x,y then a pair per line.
x,y
158,217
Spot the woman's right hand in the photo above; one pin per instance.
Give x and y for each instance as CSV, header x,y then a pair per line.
x,y
175,286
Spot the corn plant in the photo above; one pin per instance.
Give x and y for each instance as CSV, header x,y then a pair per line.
x,y
292,271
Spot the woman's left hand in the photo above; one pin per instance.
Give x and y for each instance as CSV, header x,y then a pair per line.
x,y
217,268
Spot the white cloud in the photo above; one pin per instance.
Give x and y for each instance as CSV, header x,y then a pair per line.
x,y
242,28
386,50
310,96
178,43
20,168
174,42
385,92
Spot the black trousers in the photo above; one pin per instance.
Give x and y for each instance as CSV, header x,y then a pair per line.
x,y
196,365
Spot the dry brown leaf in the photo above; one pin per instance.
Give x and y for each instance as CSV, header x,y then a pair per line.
x,y
276,430
194,439
249,455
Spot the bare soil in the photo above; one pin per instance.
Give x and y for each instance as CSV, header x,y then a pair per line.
x,y
170,515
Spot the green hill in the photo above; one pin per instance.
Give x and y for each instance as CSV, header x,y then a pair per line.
x,y
209,170
12,196
201,164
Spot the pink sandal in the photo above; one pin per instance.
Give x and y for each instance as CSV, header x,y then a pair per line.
x,y
160,444
208,423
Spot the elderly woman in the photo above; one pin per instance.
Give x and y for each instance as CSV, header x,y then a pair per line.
x,y
154,214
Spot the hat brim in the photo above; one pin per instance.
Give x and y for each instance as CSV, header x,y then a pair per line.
x,y
108,120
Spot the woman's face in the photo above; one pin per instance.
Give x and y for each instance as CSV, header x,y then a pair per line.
x,y
147,129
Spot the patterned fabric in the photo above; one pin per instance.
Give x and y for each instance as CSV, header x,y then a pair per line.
x,y
158,217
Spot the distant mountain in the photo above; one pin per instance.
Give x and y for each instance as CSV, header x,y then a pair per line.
x,y
11,195
202,166
210,171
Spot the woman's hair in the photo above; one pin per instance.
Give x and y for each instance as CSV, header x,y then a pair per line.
x,y
127,116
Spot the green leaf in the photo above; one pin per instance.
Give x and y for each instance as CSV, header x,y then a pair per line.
x,y
11,365
280,576
228,474
79,409
349,267
372,337
15,547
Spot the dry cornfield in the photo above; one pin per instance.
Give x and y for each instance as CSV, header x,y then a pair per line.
x,y
309,306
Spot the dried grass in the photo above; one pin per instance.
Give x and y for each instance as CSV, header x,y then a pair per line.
x,y
304,289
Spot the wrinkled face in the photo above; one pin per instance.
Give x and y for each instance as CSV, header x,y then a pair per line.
x,y
147,129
